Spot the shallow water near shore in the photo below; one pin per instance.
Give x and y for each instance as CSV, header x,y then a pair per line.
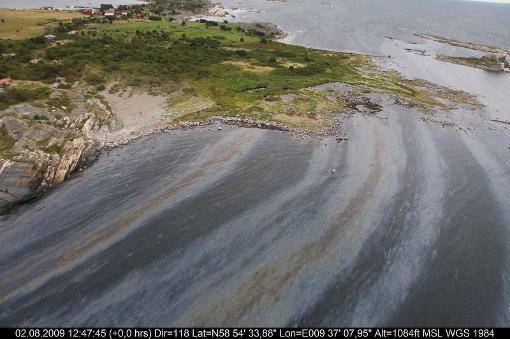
x,y
251,227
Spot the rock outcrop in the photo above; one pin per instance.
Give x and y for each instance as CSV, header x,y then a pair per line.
x,y
262,29
217,10
42,144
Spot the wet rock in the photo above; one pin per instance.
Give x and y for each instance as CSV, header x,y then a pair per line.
x,y
45,148
18,182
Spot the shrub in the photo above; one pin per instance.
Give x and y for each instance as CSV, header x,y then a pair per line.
x,y
242,53
64,85
45,71
94,79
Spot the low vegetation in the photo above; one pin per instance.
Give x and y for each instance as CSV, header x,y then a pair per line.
x,y
487,62
22,93
6,142
175,6
236,71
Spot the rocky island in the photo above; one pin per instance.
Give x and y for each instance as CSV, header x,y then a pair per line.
x,y
497,60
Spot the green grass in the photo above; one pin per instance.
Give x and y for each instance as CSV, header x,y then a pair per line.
x,y
192,30
6,142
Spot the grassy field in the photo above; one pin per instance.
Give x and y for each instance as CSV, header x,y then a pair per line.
x,y
191,30
23,24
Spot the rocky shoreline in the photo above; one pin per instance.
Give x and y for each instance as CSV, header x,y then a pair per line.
x,y
31,172
497,60
216,122
50,139
47,144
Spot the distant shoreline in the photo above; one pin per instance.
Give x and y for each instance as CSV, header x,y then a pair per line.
x,y
63,4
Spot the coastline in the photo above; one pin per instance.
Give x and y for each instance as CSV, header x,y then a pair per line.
x,y
106,139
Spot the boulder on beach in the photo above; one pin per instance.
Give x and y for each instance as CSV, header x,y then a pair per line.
x,y
217,10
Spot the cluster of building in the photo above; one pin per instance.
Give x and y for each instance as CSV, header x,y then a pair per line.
x,y
4,83
117,13
122,11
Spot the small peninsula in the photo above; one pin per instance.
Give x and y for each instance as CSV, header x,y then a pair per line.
x,y
98,78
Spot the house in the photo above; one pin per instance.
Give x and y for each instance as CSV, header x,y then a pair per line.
x,y
109,12
5,82
97,11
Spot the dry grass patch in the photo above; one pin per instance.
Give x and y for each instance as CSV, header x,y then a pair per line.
x,y
322,123
190,105
247,67
235,49
23,24
287,63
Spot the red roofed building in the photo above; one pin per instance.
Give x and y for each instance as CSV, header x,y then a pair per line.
x,y
5,82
